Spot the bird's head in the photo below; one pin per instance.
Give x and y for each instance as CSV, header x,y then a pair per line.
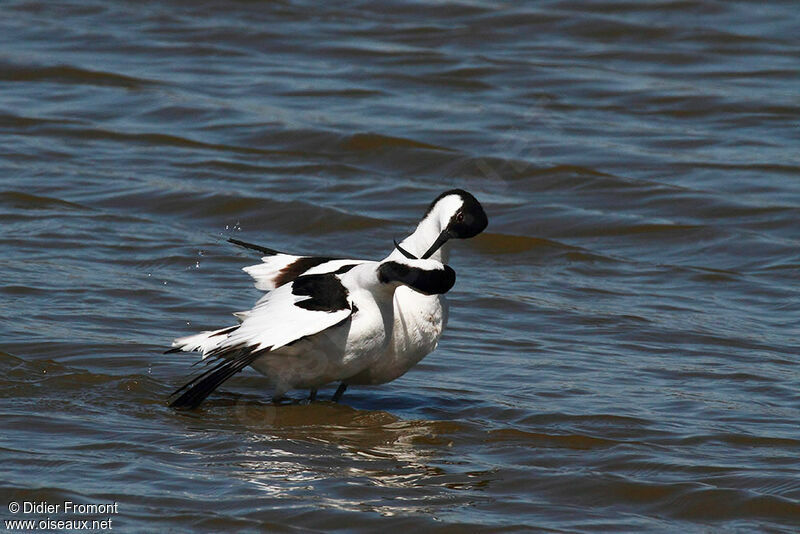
x,y
458,214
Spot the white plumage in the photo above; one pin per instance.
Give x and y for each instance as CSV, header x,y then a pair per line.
x,y
313,330
419,320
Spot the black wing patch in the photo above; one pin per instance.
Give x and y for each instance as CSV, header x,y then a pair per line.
x,y
197,389
344,268
264,250
297,268
326,291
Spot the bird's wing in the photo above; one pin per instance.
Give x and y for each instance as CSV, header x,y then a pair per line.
x,y
275,271
309,305
203,342
277,268
191,394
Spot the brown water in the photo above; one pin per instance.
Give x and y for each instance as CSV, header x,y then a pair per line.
x,y
622,353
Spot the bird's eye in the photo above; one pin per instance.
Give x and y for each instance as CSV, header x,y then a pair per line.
x,y
460,217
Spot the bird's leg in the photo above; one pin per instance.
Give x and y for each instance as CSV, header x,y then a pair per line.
x,y
312,396
339,392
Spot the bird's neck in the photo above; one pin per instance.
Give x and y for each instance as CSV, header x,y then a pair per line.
x,y
422,238
364,277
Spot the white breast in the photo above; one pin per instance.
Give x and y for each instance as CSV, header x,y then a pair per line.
x,y
418,324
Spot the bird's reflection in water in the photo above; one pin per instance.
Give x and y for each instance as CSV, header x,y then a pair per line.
x,y
351,459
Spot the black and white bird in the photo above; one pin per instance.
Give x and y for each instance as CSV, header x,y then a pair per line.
x,y
419,318
313,330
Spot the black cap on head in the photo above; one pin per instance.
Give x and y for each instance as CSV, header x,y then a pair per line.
x,y
469,220
426,281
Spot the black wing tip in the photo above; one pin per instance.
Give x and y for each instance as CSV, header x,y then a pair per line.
x,y
264,250
194,392
190,399
173,350
181,404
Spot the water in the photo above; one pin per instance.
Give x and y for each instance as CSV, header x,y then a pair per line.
x,y
622,353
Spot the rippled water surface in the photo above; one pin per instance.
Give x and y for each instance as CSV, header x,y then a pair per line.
x,y
622,353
